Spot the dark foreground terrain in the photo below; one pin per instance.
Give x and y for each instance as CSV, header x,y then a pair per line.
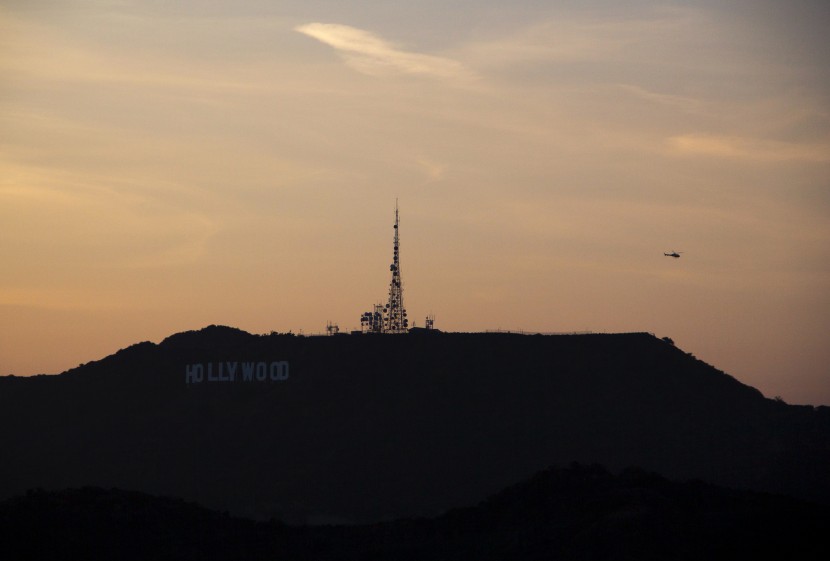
x,y
575,513
358,429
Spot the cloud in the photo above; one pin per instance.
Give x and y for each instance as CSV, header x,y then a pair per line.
x,y
434,171
104,222
591,38
369,54
742,148
683,103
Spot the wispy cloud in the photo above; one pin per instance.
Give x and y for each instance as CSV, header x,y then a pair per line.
x,y
683,103
589,39
742,148
434,171
117,226
370,54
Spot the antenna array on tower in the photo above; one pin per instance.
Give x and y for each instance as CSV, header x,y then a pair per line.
x,y
389,317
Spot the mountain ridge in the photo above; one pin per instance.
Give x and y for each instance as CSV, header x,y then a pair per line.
x,y
370,427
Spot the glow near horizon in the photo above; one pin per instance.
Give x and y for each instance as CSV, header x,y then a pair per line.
x,y
164,169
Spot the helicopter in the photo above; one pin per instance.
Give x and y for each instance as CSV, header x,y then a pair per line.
x,y
675,254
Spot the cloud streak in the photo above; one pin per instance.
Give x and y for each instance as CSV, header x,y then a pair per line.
x,y
372,55
687,104
740,148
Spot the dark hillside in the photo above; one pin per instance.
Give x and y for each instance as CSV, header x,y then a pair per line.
x,y
574,513
378,427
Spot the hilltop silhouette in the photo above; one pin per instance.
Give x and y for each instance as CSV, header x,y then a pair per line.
x,y
369,428
581,512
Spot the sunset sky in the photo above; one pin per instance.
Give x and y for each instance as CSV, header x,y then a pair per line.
x,y
166,165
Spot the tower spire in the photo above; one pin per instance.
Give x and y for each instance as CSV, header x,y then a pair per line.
x,y
389,317
394,312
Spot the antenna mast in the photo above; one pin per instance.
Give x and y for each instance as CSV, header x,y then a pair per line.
x,y
389,317
394,312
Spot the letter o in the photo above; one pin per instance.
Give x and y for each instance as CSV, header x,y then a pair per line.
x,y
279,371
261,371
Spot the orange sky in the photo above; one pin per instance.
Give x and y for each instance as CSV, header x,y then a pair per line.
x,y
165,168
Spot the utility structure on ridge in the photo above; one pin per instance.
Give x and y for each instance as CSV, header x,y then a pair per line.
x,y
391,317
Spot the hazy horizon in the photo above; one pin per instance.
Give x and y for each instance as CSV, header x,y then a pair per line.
x,y
164,167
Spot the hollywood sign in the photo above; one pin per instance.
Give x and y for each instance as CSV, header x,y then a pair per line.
x,y
236,372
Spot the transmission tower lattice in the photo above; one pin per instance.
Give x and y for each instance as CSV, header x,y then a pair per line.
x,y
389,317
394,313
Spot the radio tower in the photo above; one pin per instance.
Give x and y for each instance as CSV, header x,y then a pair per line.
x,y
394,313
389,317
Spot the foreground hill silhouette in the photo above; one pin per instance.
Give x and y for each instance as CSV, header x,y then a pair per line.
x,y
574,513
369,428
